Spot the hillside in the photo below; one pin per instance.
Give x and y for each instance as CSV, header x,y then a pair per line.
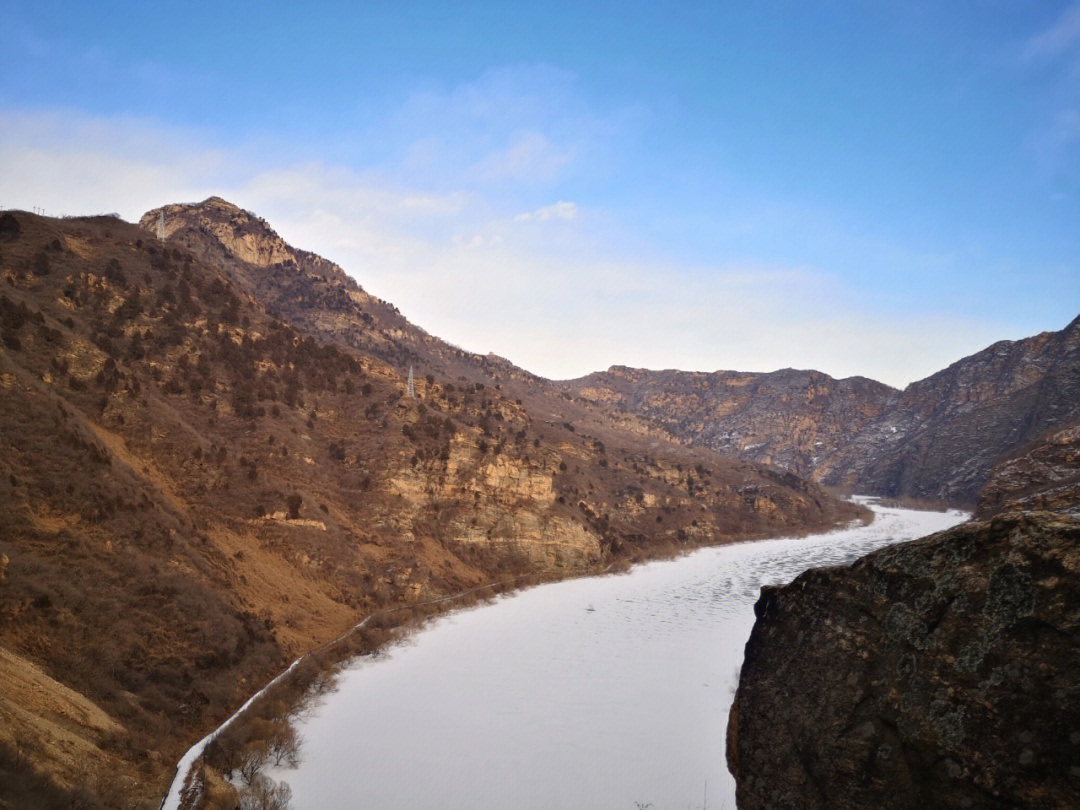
x,y
938,439
802,421
209,464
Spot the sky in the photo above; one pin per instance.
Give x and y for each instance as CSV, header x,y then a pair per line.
x,y
859,186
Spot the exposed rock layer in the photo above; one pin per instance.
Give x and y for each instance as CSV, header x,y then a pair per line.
x,y
938,673
1044,475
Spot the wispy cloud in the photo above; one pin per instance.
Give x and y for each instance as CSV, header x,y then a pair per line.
x,y
559,301
528,125
560,210
1053,55
93,70
1063,132
1058,38
531,158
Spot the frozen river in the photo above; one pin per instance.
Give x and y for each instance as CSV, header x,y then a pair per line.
x,y
598,693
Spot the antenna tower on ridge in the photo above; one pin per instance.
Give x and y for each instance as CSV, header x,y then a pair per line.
x,y
412,385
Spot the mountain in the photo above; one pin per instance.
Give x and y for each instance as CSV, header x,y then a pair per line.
x,y
802,421
210,463
937,439
968,697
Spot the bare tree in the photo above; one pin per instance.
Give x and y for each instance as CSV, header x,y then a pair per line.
x,y
265,794
284,744
255,756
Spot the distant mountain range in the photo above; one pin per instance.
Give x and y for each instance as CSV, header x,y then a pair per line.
x,y
937,439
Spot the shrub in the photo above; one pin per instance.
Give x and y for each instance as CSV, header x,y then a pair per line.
x,y
294,502
9,227
40,264
114,273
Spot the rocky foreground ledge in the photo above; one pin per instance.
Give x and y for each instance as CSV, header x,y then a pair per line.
x,y
941,673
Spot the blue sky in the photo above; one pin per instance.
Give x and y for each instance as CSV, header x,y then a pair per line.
x,y
862,187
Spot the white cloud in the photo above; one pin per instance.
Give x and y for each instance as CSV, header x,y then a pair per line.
x,y
561,302
531,158
1056,39
560,210
518,124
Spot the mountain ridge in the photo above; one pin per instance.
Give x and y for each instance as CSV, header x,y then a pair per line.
x,y
937,438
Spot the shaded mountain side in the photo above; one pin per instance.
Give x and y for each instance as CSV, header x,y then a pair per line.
x,y
938,439
937,673
196,485
957,423
802,421
1045,475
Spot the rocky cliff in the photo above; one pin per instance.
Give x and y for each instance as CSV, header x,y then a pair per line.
x,y
312,293
952,427
1045,475
940,673
938,439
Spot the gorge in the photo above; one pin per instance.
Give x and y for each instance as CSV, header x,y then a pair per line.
x,y
213,463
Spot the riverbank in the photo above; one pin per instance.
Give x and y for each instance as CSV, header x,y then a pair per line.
x,y
251,729
538,613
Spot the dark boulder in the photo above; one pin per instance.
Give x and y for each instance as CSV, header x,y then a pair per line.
x,y
942,673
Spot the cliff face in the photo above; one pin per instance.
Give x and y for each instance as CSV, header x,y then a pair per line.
x,y
939,673
1044,475
937,439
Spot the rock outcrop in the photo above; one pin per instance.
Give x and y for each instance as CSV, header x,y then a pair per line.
x,y
939,673
938,439
1044,476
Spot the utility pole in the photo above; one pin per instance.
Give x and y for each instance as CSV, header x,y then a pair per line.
x,y
412,385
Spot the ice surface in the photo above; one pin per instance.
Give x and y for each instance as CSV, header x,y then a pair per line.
x,y
592,693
